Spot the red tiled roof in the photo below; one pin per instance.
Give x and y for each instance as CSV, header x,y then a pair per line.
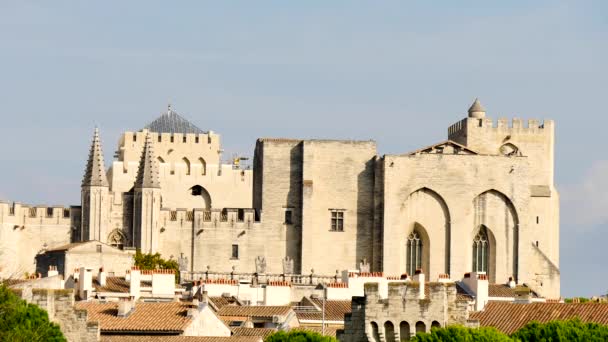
x,y
144,338
147,317
508,317
113,284
502,290
259,332
253,311
334,309
220,302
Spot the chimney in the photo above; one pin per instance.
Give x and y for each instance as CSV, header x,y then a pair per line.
x,y
101,277
478,284
419,278
163,282
444,278
205,299
125,307
85,283
522,295
135,283
52,271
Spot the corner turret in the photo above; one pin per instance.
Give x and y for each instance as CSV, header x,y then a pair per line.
x,y
476,110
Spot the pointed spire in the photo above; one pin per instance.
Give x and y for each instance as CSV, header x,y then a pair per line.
x,y
476,110
147,175
95,173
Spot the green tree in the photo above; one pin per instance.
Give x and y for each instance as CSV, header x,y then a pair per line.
x,y
459,333
149,261
570,330
298,336
20,321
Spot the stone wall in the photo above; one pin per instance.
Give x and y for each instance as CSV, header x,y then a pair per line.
x,y
403,313
26,230
60,306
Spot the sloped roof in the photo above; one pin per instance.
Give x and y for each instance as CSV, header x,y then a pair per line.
x,y
503,290
220,302
253,311
147,317
149,338
443,147
508,317
78,244
259,332
334,309
476,107
171,122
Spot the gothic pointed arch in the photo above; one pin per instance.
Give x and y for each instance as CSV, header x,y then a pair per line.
x,y
426,209
198,190
117,239
483,251
417,250
187,163
496,215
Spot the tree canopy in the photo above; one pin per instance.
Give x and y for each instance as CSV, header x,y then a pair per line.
x,y
20,321
149,261
459,333
554,331
298,336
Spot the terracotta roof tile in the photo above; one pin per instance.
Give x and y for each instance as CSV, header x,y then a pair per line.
x,y
509,317
253,311
113,284
220,302
502,290
259,332
144,338
329,330
334,309
147,317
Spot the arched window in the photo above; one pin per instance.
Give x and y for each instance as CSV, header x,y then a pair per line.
x,y
420,327
375,333
414,252
435,324
389,331
203,166
404,331
481,246
187,162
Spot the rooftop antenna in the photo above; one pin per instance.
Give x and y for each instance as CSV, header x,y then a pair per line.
x,y
169,108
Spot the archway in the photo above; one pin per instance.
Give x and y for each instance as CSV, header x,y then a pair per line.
x,y
426,208
198,190
495,214
404,331
187,162
420,327
375,333
389,331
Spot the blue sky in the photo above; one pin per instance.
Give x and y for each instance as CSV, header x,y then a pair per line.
x,y
394,71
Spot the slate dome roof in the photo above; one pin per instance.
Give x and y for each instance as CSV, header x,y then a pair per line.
x,y
171,122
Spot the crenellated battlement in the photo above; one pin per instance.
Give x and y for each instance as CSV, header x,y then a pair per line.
x,y
21,214
519,126
171,138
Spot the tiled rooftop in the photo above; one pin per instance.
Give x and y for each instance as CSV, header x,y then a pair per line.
x,y
253,311
502,290
259,332
113,284
147,317
509,317
220,302
334,309
143,338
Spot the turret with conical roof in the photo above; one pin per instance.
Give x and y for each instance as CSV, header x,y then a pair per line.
x,y
95,173
147,174
476,110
